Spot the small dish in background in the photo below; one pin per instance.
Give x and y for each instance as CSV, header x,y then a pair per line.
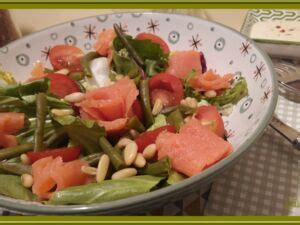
x,y
275,31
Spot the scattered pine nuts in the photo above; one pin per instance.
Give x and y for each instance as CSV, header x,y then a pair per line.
x,y
26,180
130,153
63,71
123,142
24,159
74,97
62,112
189,102
149,151
210,94
139,161
89,170
119,77
102,168
127,172
158,106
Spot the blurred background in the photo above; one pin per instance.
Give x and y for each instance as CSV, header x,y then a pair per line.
x,y
36,19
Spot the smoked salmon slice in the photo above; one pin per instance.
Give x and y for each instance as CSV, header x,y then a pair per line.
x,y
110,106
49,174
193,149
182,63
104,42
211,81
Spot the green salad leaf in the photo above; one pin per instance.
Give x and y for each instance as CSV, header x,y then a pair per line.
x,y
108,190
85,133
159,168
159,121
232,95
147,50
152,67
125,65
175,177
11,186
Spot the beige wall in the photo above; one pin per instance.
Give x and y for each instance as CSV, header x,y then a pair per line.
x,y
35,19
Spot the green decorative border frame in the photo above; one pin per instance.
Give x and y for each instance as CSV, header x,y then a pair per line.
x,y
149,220
150,4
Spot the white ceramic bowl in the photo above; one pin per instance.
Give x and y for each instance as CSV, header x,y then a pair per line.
x,y
225,50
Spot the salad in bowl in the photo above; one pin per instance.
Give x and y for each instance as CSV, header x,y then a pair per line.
x,y
127,117
124,119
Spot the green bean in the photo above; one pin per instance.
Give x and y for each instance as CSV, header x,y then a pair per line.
x,y
17,90
135,123
128,46
85,63
159,168
14,160
175,118
11,186
15,168
114,156
41,112
92,159
11,152
145,100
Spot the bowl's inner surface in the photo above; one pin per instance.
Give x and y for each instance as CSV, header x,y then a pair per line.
x,y
225,51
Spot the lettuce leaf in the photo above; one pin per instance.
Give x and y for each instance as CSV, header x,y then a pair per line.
x,y
147,50
232,95
85,133
108,190
125,65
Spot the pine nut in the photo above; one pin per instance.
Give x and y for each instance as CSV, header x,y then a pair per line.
x,y
134,133
210,94
24,159
158,106
26,180
123,142
62,112
119,77
102,168
130,153
74,97
127,172
89,170
63,71
139,161
149,151
187,119
189,102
